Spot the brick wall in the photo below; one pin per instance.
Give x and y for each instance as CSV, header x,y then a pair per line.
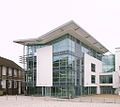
x,y
12,90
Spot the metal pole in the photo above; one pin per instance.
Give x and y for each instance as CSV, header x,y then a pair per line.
x,y
81,86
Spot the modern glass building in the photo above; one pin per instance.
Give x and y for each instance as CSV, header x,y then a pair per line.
x,y
76,63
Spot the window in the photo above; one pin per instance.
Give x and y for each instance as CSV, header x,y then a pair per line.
x,y
106,79
4,69
64,43
9,84
3,83
30,78
10,72
84,49
92,67
61,45
15,72
23,74
19,74
15,84
92,79
108,63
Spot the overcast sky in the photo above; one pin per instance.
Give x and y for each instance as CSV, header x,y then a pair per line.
x,y
22,19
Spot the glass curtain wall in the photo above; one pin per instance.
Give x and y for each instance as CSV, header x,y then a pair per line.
x,y
68,67
108,66
108,63
64,69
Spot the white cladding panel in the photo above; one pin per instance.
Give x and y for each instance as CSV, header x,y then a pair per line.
x,y
116,81
116,76
117,60
44,67
87,70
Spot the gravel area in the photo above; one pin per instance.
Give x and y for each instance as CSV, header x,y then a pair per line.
x,y
105,96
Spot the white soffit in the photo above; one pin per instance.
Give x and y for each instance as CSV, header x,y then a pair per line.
x,y
71,28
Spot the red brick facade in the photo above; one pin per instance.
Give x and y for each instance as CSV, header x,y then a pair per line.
x,y
19,89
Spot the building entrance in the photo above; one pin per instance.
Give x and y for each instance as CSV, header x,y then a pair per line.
x,y
107,90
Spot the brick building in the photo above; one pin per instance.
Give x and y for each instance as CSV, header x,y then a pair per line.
x,y
11,77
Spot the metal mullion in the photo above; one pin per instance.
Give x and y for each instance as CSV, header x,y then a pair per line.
x,y
33,65
59,75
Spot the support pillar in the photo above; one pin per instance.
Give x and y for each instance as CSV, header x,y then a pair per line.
x,y
98,89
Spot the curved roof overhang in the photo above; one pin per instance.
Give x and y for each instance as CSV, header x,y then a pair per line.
x,y
73,29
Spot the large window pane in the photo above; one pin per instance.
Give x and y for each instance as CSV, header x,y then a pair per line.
x,y
3,83
9,84
108,63
10,71
4,70
105,79
93,79
93,67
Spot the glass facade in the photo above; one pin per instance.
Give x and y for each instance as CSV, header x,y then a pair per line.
x,y
108,63
108,66
68,68
89,90
106,79
107,90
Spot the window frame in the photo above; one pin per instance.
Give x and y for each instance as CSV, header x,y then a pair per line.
x,y
9,83
15,84
93,81
93,67
15,72
10,70
4,70
3,83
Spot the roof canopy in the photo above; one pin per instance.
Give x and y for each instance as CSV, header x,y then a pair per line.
x,y
73,29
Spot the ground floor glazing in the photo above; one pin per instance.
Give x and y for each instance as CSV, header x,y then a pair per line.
x,y
66,92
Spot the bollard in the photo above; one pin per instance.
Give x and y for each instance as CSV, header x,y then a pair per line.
x,y
32,97
91,100
114,100
16,96
104,100
80,99
6,97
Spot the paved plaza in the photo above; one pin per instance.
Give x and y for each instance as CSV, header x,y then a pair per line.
x,y
29,101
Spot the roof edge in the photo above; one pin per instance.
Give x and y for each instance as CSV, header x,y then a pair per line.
x,y
22,41
43,35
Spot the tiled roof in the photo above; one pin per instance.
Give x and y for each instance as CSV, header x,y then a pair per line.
x,y
9,63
